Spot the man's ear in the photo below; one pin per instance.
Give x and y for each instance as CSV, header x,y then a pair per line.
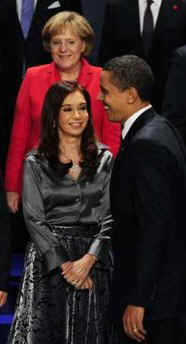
x,y
132,95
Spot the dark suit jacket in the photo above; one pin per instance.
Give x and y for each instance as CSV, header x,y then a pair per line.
x,y
174,105
121,36
14,49
148,197
5,239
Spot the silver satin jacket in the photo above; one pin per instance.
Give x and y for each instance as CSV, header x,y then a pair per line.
x,y
49,201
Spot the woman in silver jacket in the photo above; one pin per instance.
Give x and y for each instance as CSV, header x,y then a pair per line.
x,y
65,292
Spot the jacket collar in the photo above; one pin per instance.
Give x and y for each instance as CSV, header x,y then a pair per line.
x,y
137,125
85,74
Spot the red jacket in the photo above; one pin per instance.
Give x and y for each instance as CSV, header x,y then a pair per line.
x,y
26,126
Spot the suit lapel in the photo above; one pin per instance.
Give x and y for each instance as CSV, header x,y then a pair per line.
x,y
12,16
135,13
41,7
163,15
85,76
137,125
131,8
43,4
52,74
169,10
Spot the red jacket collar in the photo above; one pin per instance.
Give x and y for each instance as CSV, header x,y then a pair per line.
x,y
85,73
84,76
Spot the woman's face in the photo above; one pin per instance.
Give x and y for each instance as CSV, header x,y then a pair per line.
x,y
73,116
66,49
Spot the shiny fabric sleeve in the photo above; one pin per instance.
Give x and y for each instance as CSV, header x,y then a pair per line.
x,y
48,246
99,246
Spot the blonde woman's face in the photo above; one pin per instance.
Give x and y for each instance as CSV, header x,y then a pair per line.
x,y
66,50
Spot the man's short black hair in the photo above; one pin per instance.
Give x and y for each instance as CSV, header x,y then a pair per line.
x,y
131,71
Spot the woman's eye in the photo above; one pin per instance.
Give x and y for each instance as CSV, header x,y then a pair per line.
x,y
56,44
83,108
67,109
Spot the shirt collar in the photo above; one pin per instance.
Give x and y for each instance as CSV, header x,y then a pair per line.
x,y
157,2
129,122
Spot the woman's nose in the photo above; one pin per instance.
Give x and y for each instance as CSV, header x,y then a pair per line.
x,y
76,113
63,46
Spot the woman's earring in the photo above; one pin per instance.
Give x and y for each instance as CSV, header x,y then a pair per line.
x,y
54,125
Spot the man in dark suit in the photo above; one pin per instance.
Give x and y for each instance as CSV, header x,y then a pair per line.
x,y
174,104
148,197
123,34
5,245
16,52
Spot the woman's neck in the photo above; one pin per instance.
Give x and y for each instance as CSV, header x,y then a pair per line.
x,y
70,148
72,74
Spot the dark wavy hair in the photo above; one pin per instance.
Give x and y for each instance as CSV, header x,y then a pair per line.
x,y
49,141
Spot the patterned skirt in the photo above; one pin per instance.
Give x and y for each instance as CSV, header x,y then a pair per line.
x,y
51,311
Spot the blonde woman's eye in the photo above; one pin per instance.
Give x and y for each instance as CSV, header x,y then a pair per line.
x,y
55,42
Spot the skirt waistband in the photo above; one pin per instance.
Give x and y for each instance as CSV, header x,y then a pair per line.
x,y
82,230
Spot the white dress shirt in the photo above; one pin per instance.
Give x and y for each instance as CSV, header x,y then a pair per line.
x,y
155,7
19,6
132,119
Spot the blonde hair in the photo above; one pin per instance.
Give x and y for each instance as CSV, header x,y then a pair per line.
x,y
66,19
